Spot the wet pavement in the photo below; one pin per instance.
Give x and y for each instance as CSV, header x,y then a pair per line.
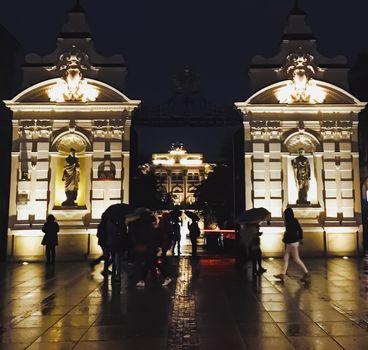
x,y
210,305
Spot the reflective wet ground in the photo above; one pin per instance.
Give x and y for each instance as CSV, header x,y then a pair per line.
x,y
210,305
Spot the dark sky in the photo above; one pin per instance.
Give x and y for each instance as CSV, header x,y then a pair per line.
x,y
218,38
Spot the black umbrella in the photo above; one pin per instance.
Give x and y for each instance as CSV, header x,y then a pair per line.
x,y
118,211
191,215
175,215
254,216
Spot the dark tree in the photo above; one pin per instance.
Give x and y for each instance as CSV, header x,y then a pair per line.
x,y
215,195
148,191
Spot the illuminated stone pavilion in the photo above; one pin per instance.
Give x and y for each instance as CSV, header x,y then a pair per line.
x,y
300,107
71,143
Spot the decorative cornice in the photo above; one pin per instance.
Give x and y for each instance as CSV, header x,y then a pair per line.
x,y
111,128
34,129
73,107
300,108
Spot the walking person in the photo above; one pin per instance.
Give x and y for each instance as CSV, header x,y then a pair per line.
x,y
50,239
114,248
165,243
176,223
194,233
247,233
292,237
256,254
101,236
146,241
165,231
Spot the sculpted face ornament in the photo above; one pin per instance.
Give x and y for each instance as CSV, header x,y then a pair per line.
x,y
301,87
72,86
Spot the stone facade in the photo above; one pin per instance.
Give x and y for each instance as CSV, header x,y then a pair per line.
x,y
69,105
301,103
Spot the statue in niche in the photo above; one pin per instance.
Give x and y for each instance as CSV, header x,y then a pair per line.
x,y
302,173
71,179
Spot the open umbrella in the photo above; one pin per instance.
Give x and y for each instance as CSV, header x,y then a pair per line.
x,y
254,216
118,211
192,216
175,215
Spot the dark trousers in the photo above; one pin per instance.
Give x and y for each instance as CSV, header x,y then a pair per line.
x,y
176,241
193,240
146,261
256,256
105,257
113,255
50,254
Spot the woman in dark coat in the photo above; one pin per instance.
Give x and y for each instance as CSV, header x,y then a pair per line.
x,y
292,236
50,239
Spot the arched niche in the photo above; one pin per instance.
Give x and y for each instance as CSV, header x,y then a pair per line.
x,y
297,140
293,144
62,146
67,139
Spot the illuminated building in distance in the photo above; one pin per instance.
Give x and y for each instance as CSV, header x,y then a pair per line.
x,y
180,172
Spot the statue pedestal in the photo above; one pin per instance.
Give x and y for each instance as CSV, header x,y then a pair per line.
x,y
307,213
69,207
70,213
302,203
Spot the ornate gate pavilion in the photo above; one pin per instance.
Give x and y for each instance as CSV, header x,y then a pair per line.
x,y
71,143
301,146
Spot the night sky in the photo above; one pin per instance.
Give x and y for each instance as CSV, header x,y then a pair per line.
x,y
218,38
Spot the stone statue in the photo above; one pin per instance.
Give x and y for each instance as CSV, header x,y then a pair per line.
x,y
71,178
302,175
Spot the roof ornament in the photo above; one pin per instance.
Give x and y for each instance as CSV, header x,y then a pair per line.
x,y
186,81
300,68
72,86
177,148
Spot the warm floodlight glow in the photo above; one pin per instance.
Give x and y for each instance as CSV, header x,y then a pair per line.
x,y
191,162
345,257
74,90
164,161
271,259
72,86
300,68
301,90
25,263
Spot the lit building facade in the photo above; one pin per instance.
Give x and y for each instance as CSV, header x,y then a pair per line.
x,y
301,145
71,144
180,172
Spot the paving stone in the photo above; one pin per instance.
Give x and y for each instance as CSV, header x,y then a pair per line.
x,y
210,305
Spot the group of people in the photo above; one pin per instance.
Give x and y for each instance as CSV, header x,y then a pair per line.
x,y
145,243
250,234
142,240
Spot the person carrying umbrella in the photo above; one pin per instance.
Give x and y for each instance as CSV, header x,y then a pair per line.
x,y
249,235
256,254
